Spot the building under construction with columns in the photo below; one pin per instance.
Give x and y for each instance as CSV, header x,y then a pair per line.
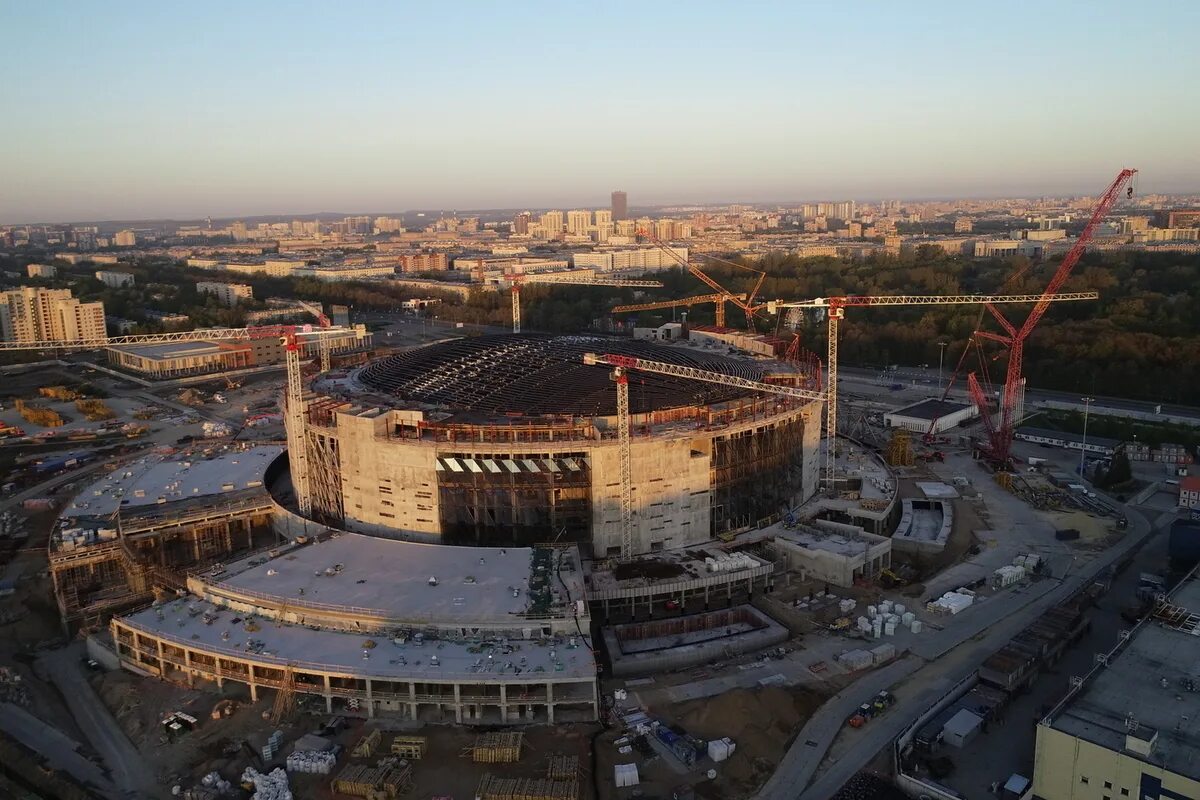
x,y
422,632
151,521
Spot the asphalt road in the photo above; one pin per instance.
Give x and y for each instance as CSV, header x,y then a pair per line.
x,y
929,380
60,751
918,687
129,772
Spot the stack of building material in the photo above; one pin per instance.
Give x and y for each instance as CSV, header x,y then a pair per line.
x,y
410,747
388,780
626,775
492,787
1007,576
317,762
882,653
366,745
950,603
855,659
563,768
270,786
496,748
721,749
846,606
272,746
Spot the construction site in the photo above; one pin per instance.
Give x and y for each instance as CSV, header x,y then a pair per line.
x,y
506,535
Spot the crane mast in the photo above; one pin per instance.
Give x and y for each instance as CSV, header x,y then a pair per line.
x,y
620,375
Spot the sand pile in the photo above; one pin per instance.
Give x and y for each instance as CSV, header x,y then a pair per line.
x,y
761,721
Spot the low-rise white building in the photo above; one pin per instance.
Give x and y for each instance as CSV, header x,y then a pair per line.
x,y
40,270
114,280
229,294
930,416
834,553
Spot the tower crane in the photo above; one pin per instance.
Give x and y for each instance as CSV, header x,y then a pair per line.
x,y
742,301
1014,338
835,309
718,300
294,409
516,279
621,366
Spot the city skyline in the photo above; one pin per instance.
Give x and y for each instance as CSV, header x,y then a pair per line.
x,y
276,112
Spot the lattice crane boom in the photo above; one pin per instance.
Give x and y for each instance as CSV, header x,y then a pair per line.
x,y
744,302
1016,336
515,281
836,310
322,320
718,301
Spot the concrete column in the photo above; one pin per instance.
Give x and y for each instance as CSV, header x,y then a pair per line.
x,y
412,699
162,664
217,669
458,717
328,695
370,701
187,668
550,703
503,704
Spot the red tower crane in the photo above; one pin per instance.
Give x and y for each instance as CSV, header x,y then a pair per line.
x,y
1001,433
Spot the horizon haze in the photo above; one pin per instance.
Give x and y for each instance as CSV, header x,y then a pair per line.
x,y
140,111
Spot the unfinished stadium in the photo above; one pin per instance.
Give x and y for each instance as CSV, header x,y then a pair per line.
x,y
513,440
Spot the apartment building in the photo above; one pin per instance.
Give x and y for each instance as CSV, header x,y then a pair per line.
x,y
29,315
227,294
40,270
424,262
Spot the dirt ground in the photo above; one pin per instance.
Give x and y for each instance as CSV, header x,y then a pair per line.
x,y
1095,533
139,703
762,723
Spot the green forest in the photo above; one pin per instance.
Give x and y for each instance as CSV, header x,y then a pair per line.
x,y
1140,340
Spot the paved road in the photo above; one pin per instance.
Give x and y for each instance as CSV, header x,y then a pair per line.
x,y
921,683
129,772
1032,395
59,750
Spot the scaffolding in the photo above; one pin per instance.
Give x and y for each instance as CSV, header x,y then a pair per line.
x,y
367,744
381,782
563,768
495,748
285,698
899,450
493,787
409,747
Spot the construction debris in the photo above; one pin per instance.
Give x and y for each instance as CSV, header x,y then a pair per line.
x,y
367,744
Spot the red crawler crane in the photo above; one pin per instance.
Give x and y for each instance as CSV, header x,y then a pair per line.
x,y
1001,433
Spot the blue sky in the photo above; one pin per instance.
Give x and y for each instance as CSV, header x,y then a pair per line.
x,y
132,109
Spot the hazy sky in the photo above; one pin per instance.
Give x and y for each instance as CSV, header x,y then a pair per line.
x,y
168,109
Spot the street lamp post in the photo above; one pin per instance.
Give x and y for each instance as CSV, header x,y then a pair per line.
x,y
1087,404
941,357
